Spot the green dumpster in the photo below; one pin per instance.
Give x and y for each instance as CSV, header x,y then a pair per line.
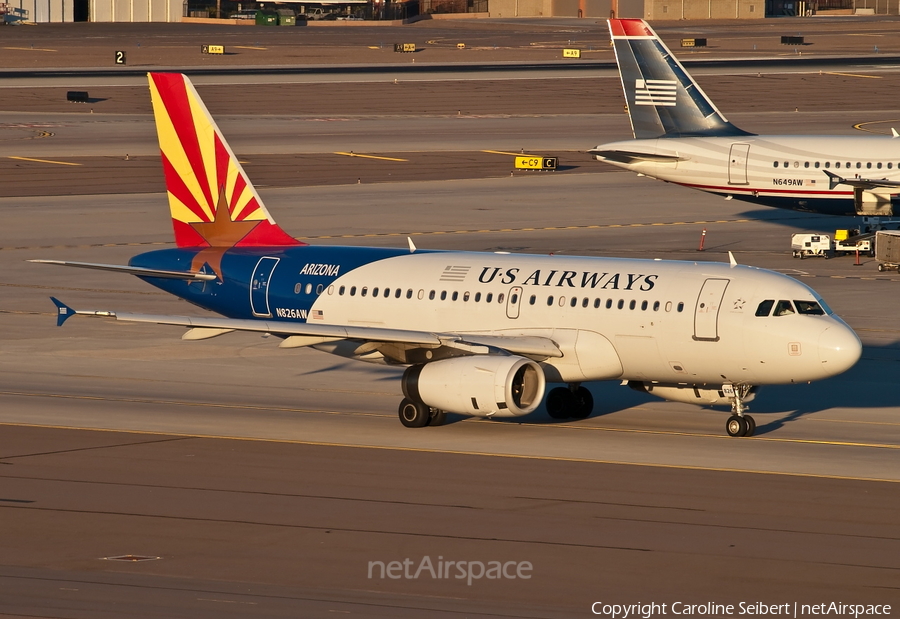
x,y
266,18
286,17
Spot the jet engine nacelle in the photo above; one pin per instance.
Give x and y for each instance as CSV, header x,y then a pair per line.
x,y
690,394
481,385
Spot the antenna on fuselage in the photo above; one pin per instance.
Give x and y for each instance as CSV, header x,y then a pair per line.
x,y
412,246
731,259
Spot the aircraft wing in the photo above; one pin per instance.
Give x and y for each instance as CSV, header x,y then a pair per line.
x,y
307,334
859,183
139,271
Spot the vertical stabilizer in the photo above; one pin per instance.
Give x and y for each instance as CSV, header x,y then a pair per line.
x,y
663,99
211,199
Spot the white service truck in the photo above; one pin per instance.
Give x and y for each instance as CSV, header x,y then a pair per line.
x,y
806,245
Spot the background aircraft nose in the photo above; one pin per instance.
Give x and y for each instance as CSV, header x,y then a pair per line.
x,y
839,349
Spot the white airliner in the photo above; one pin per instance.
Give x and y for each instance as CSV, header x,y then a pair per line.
x,y
481,334
681,137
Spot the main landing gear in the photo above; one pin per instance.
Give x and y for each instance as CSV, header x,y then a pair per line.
x,y
739,424
572,402
418,415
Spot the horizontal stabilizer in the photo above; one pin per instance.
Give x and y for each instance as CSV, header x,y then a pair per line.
x,y
624,156
139,271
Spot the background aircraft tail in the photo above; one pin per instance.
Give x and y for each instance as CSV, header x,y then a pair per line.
x,y
211,199
663,99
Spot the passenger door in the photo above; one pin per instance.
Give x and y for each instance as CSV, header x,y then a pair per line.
x,y
259,286
737,164
706,314
513,302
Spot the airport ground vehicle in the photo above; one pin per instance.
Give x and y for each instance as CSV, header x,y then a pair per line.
x,y
850,242
887,250
805,245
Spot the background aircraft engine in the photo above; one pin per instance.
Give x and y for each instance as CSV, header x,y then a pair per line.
x,y
482,385
702,396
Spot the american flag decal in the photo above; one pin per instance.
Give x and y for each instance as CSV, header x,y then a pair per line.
x,y
655,92
318,315
454,273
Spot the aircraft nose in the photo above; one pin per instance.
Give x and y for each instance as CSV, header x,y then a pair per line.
x,y
839,349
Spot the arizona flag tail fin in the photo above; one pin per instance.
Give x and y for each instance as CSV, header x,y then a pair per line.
x,y
663,99
210,197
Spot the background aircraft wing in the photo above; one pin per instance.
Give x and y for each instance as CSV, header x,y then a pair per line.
x,y
140,271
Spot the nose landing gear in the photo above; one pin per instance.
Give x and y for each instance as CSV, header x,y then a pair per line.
x,y
739,424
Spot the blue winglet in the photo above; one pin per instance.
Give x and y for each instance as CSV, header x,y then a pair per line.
x,y
64,311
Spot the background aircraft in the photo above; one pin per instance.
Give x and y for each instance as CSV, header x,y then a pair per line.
x,y
481,334
681,137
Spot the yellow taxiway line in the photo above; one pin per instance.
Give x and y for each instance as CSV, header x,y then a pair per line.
x,y
31,49
43,161
249,47
352,154
871,77
500,152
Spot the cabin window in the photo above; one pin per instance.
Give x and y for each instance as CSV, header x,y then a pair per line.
x,y
785,164
514,298
817,164
477,297
608,303
443,295
398,293
848,165
620,304
596,303
837,164
809,308
805,164
500,297
364,290
488,297
352,291
573,302
387,292
409,294
374,292
643,306
550,300
455,296
765,307
668,306
466,296
308,288
320,288
783,308
869,165
632,304
774,164
878,165
890,165
297,288
827,164
431,296
562,301
532,300
585,302
796,164
341,290
681,307
656,306
421,294
858,165
331,289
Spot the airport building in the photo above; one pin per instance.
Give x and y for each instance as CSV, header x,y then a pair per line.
x,y
42,11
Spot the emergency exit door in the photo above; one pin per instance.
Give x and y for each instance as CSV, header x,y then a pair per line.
x,y
513,302
259,286
737,164
706,314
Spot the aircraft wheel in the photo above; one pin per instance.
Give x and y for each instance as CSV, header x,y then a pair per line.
x,y
560,403
414,414
736,426
751,425
438,417
583,404
880,267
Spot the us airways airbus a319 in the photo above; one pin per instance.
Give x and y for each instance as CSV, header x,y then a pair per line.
x,y
480,334
681,137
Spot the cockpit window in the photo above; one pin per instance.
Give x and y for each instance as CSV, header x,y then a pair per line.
x,y
810,308
765,307
783,308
